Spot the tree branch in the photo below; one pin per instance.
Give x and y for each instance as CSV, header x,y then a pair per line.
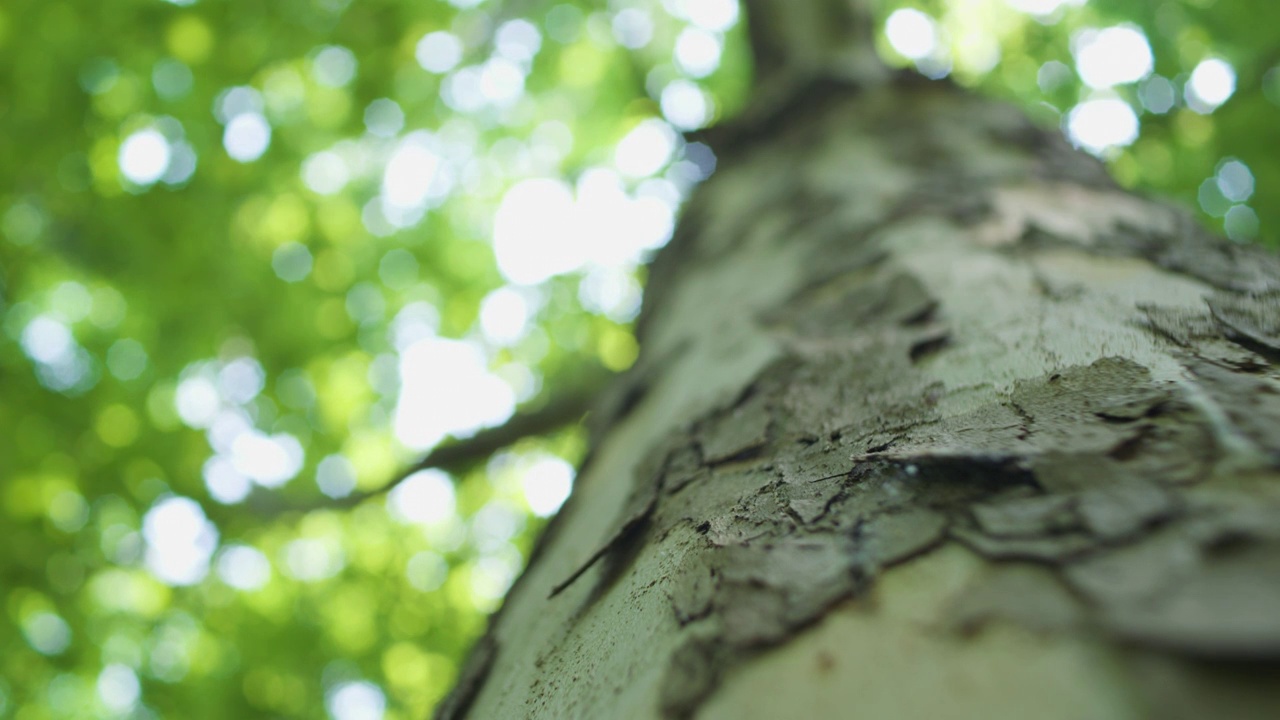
x,y
834,38
561,410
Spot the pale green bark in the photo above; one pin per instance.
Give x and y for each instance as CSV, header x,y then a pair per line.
x,y
931,419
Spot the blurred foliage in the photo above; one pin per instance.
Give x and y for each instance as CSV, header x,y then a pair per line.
x,y
231,232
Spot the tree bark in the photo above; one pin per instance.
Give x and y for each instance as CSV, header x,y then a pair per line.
x,y
931,419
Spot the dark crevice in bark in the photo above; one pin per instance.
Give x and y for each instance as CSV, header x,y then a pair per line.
x,y
474,673
927,346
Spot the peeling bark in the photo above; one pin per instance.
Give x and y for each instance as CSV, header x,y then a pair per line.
x,y
930,417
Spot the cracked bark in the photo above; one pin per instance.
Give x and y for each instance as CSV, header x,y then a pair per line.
x,y
930,418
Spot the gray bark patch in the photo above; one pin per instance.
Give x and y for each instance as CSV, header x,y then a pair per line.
x,y
812,520
1118,482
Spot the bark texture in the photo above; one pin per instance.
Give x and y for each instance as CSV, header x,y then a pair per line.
x,y
930,419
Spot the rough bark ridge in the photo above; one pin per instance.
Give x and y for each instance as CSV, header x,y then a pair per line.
x,y
918,377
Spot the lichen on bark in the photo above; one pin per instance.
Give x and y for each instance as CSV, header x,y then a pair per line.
x,y
910,325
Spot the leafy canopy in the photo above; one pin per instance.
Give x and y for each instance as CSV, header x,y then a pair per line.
x,y
256,257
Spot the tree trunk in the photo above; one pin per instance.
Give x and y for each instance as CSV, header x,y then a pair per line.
x,y
931,419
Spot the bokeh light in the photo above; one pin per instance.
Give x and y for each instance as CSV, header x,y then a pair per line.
x,y
697,52
118,687
357,701
547,483
47,633
1103,123
180,541
504,315
438,51
333,65
715,15
1212,82
646,149
1043,8
247,136
426,496
684,105
912,33
633,28
1112,56
325,173
312,560
438,374
144,156
243,567
336,476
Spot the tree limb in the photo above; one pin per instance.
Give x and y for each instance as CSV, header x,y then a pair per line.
x,y
562,409
816,37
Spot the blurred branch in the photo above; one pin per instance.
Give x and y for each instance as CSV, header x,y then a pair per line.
x,y
564,408
817,37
